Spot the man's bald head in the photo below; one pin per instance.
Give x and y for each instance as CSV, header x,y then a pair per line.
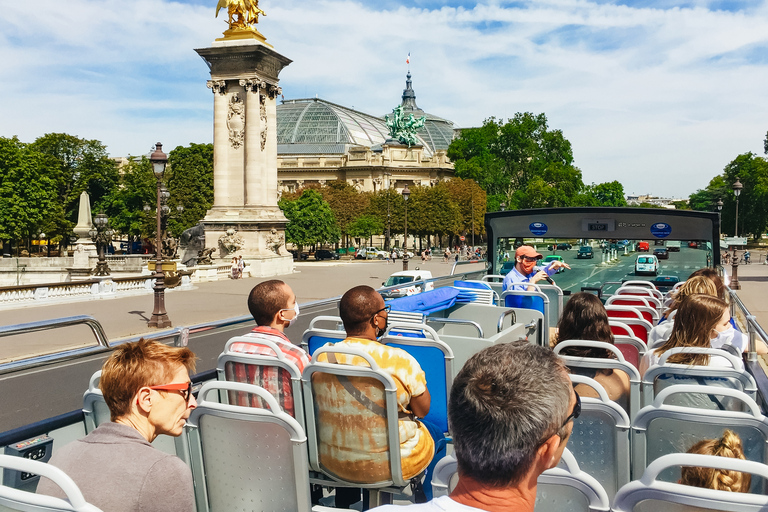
x,y
358,306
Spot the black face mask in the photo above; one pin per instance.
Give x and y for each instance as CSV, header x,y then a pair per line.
x,y
380,332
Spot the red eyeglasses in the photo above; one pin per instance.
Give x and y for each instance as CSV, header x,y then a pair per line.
x,y
185,388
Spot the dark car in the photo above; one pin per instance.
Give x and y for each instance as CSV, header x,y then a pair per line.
x,y
661,253
325,254
506,267
665,283
585,252
296,256
564,247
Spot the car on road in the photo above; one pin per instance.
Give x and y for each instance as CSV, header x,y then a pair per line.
x,y
673,245
646,264
325,254
661,253
405,277
665,283
693,245
561,247
549,259
302,257
585,253
370,253
643,247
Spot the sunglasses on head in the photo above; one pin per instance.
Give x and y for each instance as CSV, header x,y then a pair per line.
x,y
184,388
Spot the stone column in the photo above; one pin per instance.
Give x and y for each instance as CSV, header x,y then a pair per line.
x,y
255,192
220,143
270,137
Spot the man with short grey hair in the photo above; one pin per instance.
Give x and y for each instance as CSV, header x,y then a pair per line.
x,y
511,412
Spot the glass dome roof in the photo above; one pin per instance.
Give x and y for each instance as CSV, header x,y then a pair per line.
x,y
315,126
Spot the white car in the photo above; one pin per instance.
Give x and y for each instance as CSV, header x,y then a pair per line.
x,y
647,264
404,277
371,253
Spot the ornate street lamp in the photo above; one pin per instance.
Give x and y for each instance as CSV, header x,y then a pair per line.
x,y
159,317
101,234
406,195
735,285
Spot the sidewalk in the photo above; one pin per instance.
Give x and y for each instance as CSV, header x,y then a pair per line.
x,y
754,286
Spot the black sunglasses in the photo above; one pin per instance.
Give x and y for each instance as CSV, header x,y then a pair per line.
x,y
386,308
576,410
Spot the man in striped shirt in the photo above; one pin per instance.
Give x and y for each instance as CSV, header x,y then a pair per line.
x,y
274,307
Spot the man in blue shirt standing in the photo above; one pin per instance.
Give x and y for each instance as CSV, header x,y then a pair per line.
x,y
526,271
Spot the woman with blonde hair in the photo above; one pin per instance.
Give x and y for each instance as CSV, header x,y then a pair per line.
x,y
584,318
729,445
700,321
694,285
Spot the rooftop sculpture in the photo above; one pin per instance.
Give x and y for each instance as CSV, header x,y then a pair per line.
x,y
402,128
243,14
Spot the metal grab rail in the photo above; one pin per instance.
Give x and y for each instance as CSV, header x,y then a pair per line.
x,y
457,322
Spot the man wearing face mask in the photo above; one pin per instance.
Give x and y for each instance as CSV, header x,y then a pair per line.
x,y
273,306
526,271
364,315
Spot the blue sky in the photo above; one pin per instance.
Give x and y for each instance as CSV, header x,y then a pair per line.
x,y
659,95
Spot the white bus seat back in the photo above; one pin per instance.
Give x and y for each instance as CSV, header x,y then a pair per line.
x,y
247,454
600,438
662,428
593,363
632,348
17,499
651,494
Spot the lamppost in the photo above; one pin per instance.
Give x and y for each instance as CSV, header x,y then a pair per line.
x,y
720,219
406,195
473,218
159,317
737,186
503,206
386,186
101,234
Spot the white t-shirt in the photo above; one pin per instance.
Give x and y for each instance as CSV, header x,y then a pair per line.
x,y
650,358
441,504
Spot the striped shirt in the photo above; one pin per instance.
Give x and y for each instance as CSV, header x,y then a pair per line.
x,y
275,380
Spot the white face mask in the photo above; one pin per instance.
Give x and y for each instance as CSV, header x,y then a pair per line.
x,y
723,337
295,310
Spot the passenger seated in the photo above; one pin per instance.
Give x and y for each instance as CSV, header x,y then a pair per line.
x,y
584,318
273,306
701,321
147,389
694,285
718,479
364,316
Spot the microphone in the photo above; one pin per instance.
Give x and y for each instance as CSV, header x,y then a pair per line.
x,y
549,280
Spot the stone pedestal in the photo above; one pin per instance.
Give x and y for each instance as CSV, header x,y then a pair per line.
x,y
245,219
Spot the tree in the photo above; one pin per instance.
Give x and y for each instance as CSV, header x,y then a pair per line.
x,y
346,202
311,220
125,204
28,200
76,165
469,202
752,171
603,194
365,226
521,162
189,178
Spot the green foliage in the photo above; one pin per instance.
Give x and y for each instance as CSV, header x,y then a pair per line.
x,y
603,194
311,220
28,202
76,165
520,162
752,171
125,204
365,226
189,178
346,203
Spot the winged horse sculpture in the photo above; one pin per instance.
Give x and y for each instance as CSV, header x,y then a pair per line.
x,y
242,13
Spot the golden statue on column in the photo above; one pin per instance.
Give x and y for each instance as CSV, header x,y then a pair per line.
x,y
243,15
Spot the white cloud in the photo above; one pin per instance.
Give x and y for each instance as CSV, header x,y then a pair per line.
x,y
659,97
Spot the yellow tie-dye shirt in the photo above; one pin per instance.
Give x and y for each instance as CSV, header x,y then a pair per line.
x,y
350,432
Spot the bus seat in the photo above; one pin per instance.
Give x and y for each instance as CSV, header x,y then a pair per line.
x,y
436,360
641,312
640,283
594,363
247,368
315,337
600,438
640,291
16,499
632,348
555,294
639,328
634,300
246,454
329,393
665,374
662,428
649,493
535,300
565,487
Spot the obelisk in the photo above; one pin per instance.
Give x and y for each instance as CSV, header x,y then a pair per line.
x,y
245,219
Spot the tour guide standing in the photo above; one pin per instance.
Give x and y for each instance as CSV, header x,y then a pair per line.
x,y
526,271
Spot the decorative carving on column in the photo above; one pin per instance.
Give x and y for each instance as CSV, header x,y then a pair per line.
x,y
358,183
434,182
322,182
377,183
275,240
263,116
299,184
274,91
236,121
231,242
217,86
